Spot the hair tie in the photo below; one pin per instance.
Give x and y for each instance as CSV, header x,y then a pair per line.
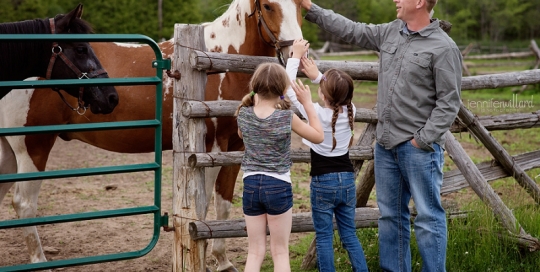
x,y
323,78
281,97
252,93
352,132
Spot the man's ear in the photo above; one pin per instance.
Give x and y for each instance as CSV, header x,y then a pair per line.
x,y
420,4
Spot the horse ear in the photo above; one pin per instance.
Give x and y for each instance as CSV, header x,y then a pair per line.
x,y
79,10
64,23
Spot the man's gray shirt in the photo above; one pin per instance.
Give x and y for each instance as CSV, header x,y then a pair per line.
x,y
419,81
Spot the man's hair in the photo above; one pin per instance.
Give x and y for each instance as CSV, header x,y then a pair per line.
x,y
430,4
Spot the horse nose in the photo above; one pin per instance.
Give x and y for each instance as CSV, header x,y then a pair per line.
x,y
113,99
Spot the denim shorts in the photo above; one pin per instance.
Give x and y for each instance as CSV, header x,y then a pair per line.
x,y
266,195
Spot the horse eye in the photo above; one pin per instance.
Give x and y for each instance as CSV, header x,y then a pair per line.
x,y
81,50
267,7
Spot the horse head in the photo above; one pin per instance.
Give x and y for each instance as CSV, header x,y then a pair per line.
x,y
279,23
256,28
77,60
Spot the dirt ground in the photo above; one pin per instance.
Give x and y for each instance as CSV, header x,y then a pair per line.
x,y
113,235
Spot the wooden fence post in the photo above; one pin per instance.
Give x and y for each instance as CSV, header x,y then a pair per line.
x,y
189,196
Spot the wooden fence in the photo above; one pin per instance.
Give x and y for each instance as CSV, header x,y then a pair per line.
x,y
191,230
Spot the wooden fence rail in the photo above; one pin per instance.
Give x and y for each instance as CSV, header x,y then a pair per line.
x,y
357,70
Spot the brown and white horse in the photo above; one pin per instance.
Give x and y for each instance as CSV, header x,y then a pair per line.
x,y
240,30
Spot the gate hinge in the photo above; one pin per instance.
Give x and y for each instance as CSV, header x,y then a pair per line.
x,y
164,222
164,64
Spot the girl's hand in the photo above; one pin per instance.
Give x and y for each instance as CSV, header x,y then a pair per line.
x,y
309,68
300,48
303,94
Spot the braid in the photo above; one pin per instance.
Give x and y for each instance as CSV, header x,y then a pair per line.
x,y
351,121
334,119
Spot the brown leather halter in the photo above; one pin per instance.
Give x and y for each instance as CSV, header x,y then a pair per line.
x,y
277,44
57,52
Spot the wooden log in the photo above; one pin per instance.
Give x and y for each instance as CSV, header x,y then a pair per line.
x,y
480,185
211,159
500,56
365,185
203,109
500,80
310,259
468,49
499,153
498,64
503,121
491,170
247,64
367,181
302,222
357,70
526,241
189,197
536,51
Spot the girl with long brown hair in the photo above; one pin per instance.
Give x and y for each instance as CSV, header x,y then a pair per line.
x,y
332,174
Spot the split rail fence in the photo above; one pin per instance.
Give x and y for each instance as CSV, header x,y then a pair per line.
x,y
190,158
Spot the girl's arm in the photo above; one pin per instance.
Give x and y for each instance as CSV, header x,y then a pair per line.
x,y
299,49
312,130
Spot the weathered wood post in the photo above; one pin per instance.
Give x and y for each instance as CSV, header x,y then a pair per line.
x,y
189,196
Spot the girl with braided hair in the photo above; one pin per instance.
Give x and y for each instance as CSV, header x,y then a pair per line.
x,y
333,191
265,124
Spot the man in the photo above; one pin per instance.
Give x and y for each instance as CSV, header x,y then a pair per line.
x,y
418,99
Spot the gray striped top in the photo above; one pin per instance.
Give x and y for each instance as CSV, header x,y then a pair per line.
x,y
267,141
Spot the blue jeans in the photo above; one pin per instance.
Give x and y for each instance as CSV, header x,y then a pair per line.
x,y
266,195
335,194
401,173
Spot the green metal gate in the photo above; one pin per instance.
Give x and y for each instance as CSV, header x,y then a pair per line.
x,y
160,64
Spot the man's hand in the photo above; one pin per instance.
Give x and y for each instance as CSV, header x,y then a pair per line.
x,y
306,4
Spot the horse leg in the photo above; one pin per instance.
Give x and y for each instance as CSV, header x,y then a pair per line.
x,y
224,191
25,197
25,203
8,165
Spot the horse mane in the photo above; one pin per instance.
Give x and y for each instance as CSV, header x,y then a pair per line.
x,y
37,26
41,26
11,67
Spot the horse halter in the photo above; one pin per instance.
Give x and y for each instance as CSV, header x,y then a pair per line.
x,y
277,44
57,52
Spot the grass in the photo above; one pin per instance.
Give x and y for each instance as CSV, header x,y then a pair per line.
x,y
477,242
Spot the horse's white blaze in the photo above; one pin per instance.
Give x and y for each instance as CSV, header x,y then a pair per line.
x,y
289,29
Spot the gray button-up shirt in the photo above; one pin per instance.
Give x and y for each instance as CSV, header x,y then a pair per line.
x,y
419,81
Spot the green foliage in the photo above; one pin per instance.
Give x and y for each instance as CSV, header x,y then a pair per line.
x,y
490,20
111,17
